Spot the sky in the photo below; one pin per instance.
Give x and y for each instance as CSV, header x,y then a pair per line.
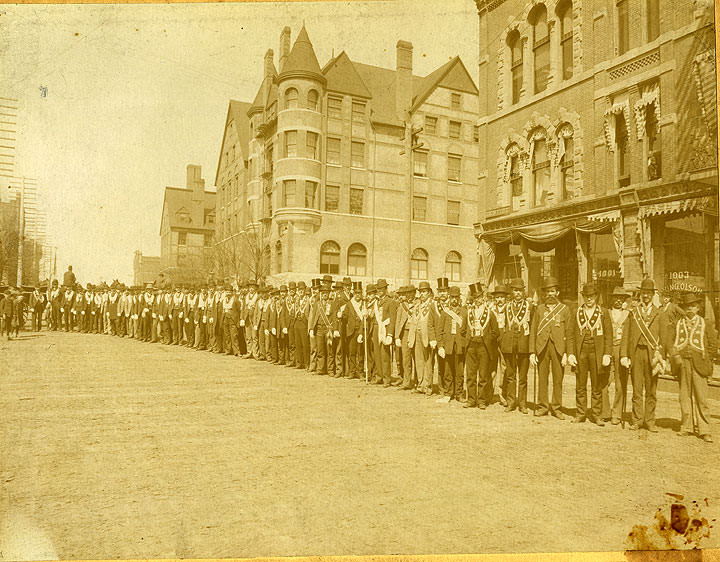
x,y
134,93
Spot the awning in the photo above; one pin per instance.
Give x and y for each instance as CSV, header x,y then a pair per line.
x,y
611,216
701,204
548,232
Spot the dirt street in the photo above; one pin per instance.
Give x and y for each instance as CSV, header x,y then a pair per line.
x,y
113,448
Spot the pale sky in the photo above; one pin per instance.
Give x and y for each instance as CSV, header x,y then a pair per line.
x,y
135,93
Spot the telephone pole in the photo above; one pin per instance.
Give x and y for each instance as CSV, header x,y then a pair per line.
x,y
21,232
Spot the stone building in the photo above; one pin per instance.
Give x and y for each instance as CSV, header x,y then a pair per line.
x,y
145,269
598,146
352,169
187,230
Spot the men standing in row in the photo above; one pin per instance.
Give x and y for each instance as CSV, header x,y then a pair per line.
x,y
618,315
483,334
514,345
452,340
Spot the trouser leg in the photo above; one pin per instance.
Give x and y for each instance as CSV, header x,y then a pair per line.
x,y
585,359
509,380
639,364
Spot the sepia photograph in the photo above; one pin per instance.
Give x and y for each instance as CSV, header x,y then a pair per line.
x,y
418,278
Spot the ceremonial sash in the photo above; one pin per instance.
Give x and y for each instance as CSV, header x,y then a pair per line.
x,y
323,315
644,329
593,324
457,321
478,322
381,323
545,322
357,308
618,319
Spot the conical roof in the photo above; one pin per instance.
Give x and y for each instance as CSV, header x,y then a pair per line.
x,y
302,57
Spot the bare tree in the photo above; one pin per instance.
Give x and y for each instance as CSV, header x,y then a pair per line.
x,y
8,242
244,255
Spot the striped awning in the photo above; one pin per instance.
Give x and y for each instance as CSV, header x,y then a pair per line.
x,y
701,204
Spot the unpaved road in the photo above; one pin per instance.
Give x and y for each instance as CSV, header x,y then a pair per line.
x,y
113,448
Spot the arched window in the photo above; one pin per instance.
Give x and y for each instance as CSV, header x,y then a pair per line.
x,y
330,257
356,260
515,178
541,47
278,257
622,150
566,145
291,98
419,264
453,261
312,100
540,169
516,64
565,16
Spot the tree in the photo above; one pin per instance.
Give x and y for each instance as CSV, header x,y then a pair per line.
x,y
244,255
8,242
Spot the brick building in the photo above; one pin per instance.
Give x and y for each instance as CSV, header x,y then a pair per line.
x,y
145,269
598,146
352,169
187,230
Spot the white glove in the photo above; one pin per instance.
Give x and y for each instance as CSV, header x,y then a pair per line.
x,y
274,332
572,360
360,339
155,316
398,343
181,315
336,334
187,320
242,322
533,359
162,318
433,343
285,331
606,361
212,320
563,361
170,316
267,332
312,333
62,309
82,312
441,352
625,362
339,314
204,319
388,340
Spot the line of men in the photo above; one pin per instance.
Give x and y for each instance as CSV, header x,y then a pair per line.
x,y
482,350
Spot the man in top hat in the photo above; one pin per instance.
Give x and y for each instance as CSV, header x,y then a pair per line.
x,y
38,301
498,304
452,340
289,305
691,350
422,338
302,337
316,283
619,374
551,336
321,327
353,320
642,352
514,344
481,351
384,311
403,324
371,341
592,353
439,302
341,301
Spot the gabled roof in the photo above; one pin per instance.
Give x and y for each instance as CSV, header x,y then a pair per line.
x,y
452,74
302,56
178,200
381,84
237,113
343,77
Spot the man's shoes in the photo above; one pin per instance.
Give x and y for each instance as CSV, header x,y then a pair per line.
x,y
559,415
707,438
482,406
387,384
418,391
523,410
508,409
443,399
578,419
468,405
634,427
615,421
599,422
684,433
652,429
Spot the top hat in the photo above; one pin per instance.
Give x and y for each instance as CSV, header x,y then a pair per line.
x,y
357,286
500,290
424,286
691,298
454,291
550,282
589,289
381,284
476,289
647,285
518,284
316,283
443,283
347,281
620,292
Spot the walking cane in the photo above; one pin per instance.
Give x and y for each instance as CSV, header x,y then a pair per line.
x,y
692,401
535,381
624,398
365,344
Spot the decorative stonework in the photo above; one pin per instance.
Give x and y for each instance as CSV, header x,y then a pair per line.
x,y
634,65
511,145
650,95
609,124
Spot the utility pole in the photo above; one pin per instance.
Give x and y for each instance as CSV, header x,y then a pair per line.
x,y
412,143
21,233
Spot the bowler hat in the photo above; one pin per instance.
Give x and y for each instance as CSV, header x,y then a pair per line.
x,y
589,289
347,281
370,289
292,285
550,282
381,284
424,286
518,284
691,298
327,279
500,290
620,292
647,285
283,288
252,283
443,283
301,285
454,291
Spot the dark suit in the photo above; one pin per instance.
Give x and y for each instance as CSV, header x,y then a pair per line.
x,y
482,343
354,327
452,338
514,344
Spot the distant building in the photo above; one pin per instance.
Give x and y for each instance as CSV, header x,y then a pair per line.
x,y
145,269
598,143
351,169
187,229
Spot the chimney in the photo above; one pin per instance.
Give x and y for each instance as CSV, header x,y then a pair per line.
x,y
403,79
284,47
268,63
195,183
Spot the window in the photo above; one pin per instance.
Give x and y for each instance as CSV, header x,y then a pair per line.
x,y
652,8
419,264
420,163
516,65
455,129
332,197
456,102
453,212
208,241
358,110
654,143
623,27
289,187
431,125
356,201
454,165
358,154
541,48
419,208
182,238
312,100
356,260
312,143
476,133
269,159
278,257
335,107
310,194
453,261
567,168
329,258
291,98
622,150
541,173
333,151
565,15
209,216
290,144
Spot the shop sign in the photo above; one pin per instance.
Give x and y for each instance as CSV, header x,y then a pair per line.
x,y
684,281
